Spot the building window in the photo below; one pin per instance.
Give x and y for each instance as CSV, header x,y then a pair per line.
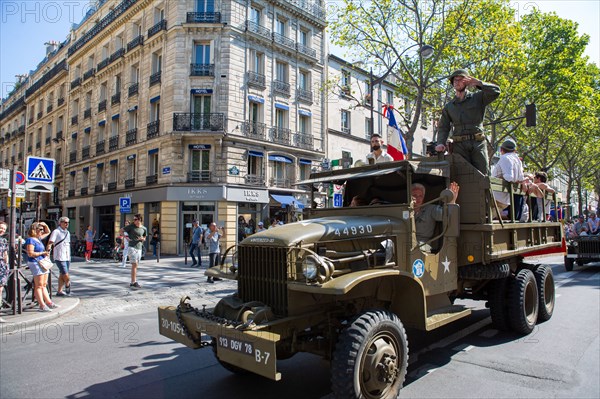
x,y
100,175
304,80
72,180
85,178
281,118
153,164
133,120
117,84
281,73
101,130
114,128
130,173
345,121
202,53
304,37
280,26
304,169
205,5
345,81
135,73
389,97
258,62
114,172
155,111
200,164
255,15
256,114
156,62
304,124
159,15
368,125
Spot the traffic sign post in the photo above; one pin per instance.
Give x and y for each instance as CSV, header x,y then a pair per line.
x,y
125,205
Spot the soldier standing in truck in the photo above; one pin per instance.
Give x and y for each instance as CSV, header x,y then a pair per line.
x,y
464,116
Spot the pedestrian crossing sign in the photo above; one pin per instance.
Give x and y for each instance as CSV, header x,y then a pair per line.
x,y
40,170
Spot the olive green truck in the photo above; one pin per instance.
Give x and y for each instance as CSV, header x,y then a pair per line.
x,y
344,282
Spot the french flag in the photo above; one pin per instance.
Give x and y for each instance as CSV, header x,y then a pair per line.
x,y
396,145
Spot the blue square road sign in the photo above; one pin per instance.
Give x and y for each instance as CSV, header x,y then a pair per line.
x,y
40,170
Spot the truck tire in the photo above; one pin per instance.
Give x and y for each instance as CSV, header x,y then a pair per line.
x,y
569,264
523,302
544,279
484,272
497,298
228,366
370,358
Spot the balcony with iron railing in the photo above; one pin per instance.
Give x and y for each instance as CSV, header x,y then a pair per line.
x,y
49,108
112,186
131,136
74,119
39,115
102,105
100,147
304,95
155,78
48,140
153,129
60,101
304,141
129,183
89,73
116,55
281,87
84,191
20,156
73,156
115,98
202,70
256,79
186,121
152,179
113,143
255,130
280,135
253,27
280,182
162,25
103,64
133,89
311,7
75,83
29,149
199,176
71,193
203,17
85,152
57,168
31,119
255,180
138,41
59,135
21,129
87,113
308,51
98,188
38,145
284,41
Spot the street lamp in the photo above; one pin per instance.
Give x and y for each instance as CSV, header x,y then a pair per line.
x,y
425,51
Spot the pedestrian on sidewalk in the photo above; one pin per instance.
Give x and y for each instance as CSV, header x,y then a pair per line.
x,y
125,245
155,240
3,262
89,243
137,236
35,252
212,238
195,244
60,243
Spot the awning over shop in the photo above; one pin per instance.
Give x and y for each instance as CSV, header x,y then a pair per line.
x,y
286,200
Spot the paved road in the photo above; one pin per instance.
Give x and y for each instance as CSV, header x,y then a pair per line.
x,y
110,347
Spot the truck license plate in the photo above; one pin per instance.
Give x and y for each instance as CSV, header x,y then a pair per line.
x,y
236,345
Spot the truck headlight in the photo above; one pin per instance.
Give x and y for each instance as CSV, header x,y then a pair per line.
x,y
310,267
575,243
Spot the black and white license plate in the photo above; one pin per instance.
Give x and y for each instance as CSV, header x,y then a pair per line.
x,y
236,345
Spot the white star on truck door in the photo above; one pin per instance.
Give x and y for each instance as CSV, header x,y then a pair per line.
x,y
446,264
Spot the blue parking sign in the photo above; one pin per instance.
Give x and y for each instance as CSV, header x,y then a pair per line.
x,y
125,205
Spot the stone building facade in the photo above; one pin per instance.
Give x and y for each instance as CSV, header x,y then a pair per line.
x,y
207,110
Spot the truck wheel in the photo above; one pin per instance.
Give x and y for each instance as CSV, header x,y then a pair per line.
x,y
484,272
228,366
545,286
370,357
569,264
497,297
523,302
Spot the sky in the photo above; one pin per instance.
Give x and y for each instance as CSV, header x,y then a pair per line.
x,y
25,25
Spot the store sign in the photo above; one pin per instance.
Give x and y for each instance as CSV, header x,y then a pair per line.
x,y
247,195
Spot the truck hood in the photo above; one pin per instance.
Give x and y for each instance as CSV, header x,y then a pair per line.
x,y
323,229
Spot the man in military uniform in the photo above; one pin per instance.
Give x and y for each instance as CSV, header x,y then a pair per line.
x,y
464,115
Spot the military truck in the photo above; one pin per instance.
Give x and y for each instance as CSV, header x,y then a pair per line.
x,y
344,282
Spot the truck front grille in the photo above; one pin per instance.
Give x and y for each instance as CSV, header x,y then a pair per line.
x,y
589,247
262,276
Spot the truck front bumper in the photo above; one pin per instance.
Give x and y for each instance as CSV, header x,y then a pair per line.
x,y
250,350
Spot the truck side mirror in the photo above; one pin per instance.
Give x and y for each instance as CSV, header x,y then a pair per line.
x,y
446,196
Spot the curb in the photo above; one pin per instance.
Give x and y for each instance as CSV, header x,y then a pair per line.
x,y
22,321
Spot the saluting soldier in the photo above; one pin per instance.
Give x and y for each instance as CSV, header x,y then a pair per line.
x,y
464,116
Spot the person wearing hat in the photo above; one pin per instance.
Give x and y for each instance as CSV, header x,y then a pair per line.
x,y
378,154
261,227
463,115
195,244
509,168
580,228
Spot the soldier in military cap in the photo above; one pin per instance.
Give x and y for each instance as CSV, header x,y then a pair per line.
x,y
464,116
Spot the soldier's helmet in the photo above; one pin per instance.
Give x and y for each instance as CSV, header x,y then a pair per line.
x,y
458,72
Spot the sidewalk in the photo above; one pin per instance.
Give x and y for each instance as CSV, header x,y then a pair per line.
x,y
104,278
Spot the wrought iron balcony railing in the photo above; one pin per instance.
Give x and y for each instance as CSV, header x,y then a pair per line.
x,y
131,137
198,122
85,152
153,129
155,78
311,52
162,25
255,79
102,106
100,147
138,41
285,41
133,89
203,17
115,98
89,73
129,183
199,175
253,27
254,130
280,135
202,70
87,113
304,95
281,87
152,179
112,186
113,143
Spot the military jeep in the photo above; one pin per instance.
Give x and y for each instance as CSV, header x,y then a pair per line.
x,y
582,250
344,282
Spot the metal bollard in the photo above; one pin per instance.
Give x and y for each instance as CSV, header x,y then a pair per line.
x,y
157,252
